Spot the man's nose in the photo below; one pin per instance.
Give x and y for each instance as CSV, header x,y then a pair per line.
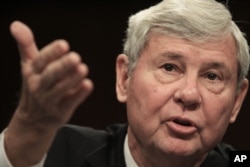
x,y
188,94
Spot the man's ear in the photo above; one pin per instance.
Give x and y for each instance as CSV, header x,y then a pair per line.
x,y
122,77
241,94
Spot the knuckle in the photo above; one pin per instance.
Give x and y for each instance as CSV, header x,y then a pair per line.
x,y
39,63
33,85
61,45
82,70
73,57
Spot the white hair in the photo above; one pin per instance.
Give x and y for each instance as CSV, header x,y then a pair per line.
x,y
195,20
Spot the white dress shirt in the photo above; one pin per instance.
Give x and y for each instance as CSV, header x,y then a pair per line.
x,y
129,160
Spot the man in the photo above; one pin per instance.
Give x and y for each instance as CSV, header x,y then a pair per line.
x,y
182,76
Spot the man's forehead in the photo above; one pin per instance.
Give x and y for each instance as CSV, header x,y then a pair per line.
x,y
227,43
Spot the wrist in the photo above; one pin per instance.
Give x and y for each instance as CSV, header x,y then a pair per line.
x,y
26,143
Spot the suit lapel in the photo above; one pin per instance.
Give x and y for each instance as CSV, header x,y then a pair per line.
x,y
111,154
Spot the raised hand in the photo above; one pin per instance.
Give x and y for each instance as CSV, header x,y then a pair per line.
x,y
54,84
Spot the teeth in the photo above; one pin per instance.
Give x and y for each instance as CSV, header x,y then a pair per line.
x,y
181,122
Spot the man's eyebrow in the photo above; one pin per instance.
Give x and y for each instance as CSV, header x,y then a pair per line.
x,y
212,64
217,65
172,55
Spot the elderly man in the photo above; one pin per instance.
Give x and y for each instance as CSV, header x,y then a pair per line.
x,y
182,76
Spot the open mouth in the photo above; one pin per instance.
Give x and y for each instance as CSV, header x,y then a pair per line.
x,y
182,122
181,126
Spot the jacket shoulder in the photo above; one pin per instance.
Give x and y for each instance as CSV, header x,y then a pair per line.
x,y
73,144
219,156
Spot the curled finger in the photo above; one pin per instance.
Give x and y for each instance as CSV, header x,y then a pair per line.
x,y
57,70
50,53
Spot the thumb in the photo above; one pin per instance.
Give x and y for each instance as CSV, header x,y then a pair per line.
x,y
25,40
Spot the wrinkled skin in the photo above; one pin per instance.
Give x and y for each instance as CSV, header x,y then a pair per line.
x,y
54,83
180,99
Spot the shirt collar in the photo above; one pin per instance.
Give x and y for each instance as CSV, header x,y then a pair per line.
x,y
130,162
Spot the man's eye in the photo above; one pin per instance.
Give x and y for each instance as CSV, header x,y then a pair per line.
x,y
213,77
169,67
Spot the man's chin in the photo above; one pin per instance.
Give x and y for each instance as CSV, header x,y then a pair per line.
x,y
182,148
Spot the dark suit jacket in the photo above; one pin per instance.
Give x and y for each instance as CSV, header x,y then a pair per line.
x,y
76,146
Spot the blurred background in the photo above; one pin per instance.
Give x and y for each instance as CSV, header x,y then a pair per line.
x,y
95,29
